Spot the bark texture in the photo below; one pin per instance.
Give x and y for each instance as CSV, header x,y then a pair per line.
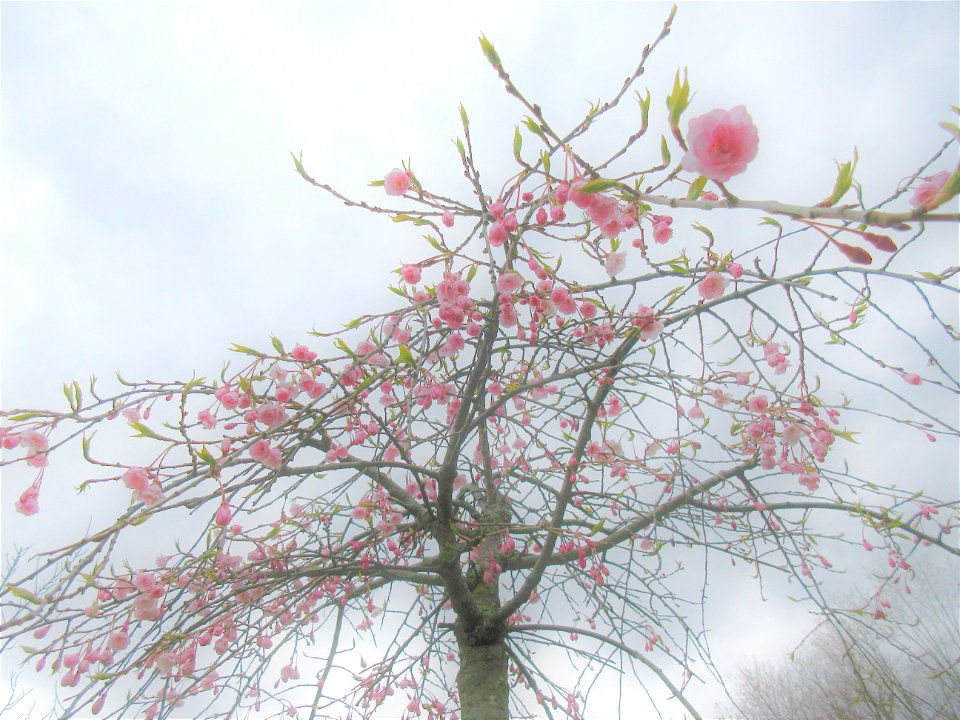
x,y
482,681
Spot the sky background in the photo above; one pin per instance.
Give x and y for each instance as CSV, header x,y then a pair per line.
x,y
151,215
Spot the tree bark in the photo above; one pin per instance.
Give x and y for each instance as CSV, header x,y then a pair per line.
x,y
482,681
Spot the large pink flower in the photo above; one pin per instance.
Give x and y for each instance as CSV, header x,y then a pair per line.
x,y
712,285
397,182
721,144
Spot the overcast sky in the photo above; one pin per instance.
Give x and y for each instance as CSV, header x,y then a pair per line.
x,y
151,215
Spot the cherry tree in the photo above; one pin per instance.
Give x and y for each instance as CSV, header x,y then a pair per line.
x,y
581,398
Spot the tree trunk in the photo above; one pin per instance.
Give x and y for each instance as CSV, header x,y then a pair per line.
x,y
482,681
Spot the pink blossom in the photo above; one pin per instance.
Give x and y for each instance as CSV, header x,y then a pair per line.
x,y
775,359
615,263
581,200
136,478
337,452
229,398
410,274
271,414
147,584
662,232
289,672
509,282
757,404
286,392
301,353
447,219
612,228
912,378
811,481
10,441
36,442
792,434
735,270
563,301
397,182
38,460
603,209
268,456
721,144
588,310
224,515
207,419
118,640
29,502
648,323
712,285
146,608
150,495
497,234
927,192
452,346
365,348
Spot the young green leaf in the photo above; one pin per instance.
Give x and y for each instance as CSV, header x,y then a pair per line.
x,y
23,594
843,183
679,98
597,185
490,52
644,109
696,188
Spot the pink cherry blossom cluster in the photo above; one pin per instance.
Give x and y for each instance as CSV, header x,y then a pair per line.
x,y
146,489
648,323
453,296
37,446
788,431
604,211
775,358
